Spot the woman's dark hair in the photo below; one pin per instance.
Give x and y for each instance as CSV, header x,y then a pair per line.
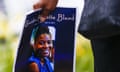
x,y
41,30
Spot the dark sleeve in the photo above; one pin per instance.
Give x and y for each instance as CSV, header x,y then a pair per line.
x,y
100,18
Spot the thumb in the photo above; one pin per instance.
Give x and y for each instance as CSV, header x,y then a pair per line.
x,y
37,6
48,7
44,14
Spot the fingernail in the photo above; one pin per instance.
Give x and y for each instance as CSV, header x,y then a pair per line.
x,y
42,19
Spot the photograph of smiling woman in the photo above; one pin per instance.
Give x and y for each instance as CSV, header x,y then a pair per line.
x,y
42,54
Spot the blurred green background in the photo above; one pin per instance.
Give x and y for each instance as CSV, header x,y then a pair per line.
x,y
84,56
12,15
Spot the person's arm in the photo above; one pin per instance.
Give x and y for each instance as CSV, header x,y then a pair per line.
x,y
33,67
47,6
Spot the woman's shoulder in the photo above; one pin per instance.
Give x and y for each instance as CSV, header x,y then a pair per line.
x,y
33,67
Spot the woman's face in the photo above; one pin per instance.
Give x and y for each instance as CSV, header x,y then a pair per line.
x,y
43,44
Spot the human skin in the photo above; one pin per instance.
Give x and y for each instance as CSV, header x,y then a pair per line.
x,y
43,44
47,6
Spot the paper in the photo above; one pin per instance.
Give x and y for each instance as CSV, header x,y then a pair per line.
x,y
48,45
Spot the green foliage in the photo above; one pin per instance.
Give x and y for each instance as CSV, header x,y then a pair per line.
x,y
6,57
84,62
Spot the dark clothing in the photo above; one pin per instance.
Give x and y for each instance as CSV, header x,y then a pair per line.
x,y
100,23
100,19
106,54
46,67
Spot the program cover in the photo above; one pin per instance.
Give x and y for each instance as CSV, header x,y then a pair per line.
x,y
47,46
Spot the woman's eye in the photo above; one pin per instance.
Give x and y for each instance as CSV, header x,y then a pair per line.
x,y
49,42
41,42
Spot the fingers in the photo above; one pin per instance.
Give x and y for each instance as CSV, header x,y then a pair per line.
x,y
38,5
44,15
51,5
47,6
